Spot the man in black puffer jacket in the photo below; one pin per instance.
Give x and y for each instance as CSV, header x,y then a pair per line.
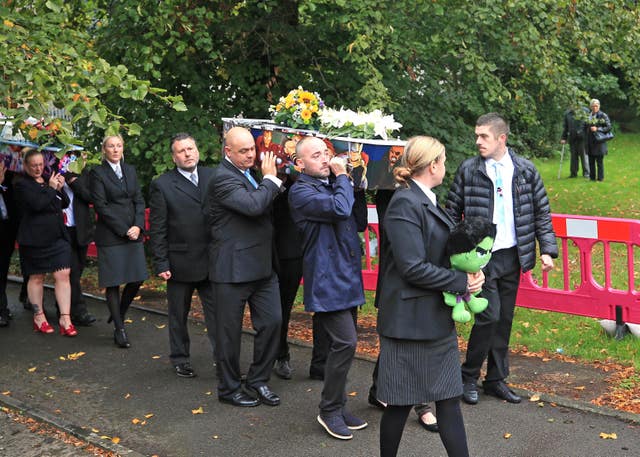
x,y
507,189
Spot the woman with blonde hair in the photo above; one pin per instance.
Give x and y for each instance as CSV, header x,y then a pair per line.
x,y
117,200
419,359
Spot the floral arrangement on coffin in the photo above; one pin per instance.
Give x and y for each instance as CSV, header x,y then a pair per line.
x,y
349,123
299,109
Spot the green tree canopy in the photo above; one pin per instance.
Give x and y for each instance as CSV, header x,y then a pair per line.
x,y
436,65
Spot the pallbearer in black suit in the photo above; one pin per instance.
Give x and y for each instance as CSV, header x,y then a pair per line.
x,y
179,241
419,358
117,200
242,267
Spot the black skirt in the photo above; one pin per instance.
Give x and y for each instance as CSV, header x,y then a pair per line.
x,y
45,259
121,264
417,372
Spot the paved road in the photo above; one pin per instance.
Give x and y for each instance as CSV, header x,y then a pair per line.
x,y
103,392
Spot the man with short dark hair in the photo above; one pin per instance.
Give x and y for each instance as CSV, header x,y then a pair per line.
x,y
574,131
179,241
322,209
506,188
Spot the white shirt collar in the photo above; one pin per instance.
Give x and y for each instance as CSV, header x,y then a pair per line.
x,y
428,192
187,174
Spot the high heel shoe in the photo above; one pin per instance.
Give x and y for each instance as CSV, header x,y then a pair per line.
x,y
69,331
120,338
44,327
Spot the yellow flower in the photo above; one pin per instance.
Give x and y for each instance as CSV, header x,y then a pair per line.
x,y
305,114
289,102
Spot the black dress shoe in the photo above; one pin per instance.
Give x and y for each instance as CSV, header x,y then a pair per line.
x,y
499,389
120,338
239,398
282,369
265,395
184,370
83,319
429,427
470,393
373,401
316,375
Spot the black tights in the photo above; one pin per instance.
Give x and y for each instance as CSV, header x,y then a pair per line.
x,y
118,305
450,423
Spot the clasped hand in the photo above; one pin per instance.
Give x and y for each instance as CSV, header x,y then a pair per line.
x,y
475,281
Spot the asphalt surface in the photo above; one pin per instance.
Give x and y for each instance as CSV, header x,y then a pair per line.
x,y
133,395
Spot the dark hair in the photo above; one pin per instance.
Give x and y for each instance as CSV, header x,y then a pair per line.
x,y
496,123
30,152
179,137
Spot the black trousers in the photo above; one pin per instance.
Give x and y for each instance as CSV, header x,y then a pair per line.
x,y
321,343
491,331
596,168
8,230
263,298
179,298
289,276
578,157
78,262
340,331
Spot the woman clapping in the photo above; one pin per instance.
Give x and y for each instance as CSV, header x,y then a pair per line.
x,y
43,240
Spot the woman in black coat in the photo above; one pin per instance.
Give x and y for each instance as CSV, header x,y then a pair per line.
x,y
419,359
598,122
117,200
43,240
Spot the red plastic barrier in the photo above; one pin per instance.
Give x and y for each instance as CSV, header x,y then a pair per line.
x,y
579,238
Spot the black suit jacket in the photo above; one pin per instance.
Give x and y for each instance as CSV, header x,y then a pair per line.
x,y
81,210
415,269
239,218
118,204
179,235
41,222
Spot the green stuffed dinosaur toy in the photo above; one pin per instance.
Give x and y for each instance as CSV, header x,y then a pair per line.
x,y
469,249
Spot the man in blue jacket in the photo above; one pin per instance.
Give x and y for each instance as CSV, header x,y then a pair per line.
x,y
322,209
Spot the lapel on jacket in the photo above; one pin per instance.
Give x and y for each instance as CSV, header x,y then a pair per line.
x,y
185,186
236,172
436,210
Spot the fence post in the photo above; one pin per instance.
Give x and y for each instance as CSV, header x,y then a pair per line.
x,y
621,327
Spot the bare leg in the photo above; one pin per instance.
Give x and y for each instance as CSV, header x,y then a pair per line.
x,y
63,295
35,292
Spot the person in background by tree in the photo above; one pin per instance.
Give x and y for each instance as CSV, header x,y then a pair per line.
x,y
574,131
597,121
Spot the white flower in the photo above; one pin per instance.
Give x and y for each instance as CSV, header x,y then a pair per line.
x,y
355,124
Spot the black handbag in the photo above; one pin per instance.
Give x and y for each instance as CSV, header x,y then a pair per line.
x,y
602,137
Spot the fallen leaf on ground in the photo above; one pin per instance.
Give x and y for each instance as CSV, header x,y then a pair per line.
x,y
127,396
155,356
148,416
135,421
608,436
32,369
535,397
115,439
6,392
197,411
161,326
353,394
579,388
77,391
128,321
506,436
